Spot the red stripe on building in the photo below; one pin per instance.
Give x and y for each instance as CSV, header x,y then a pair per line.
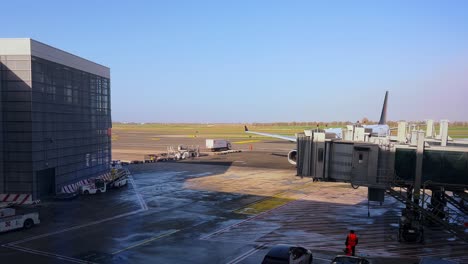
x,y
16,197
25,198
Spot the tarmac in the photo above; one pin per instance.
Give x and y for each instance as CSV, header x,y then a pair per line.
x,y
219,209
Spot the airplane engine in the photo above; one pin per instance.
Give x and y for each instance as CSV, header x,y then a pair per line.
x,y
292,157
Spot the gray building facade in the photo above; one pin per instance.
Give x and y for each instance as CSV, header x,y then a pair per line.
x,y
55,118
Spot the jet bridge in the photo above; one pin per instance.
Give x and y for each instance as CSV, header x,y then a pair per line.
x,y
430,170
375,161
360,163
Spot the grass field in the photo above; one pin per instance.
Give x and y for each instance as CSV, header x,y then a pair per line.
x,y
235,131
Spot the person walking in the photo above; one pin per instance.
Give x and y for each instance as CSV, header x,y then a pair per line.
x,y
351,242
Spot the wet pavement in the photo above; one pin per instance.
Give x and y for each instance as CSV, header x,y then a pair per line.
x,y
209,213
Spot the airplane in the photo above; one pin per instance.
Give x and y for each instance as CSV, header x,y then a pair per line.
x,y
380,129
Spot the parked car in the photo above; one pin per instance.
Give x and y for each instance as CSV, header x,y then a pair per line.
x,y
288,254
342,259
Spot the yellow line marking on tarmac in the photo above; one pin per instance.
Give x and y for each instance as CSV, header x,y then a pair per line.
x,y
146,241
264,205
270,203
155,139
246,141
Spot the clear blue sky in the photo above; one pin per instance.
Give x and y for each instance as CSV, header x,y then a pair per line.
x,y
263,61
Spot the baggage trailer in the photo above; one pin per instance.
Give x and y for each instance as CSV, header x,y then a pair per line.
x,y
9,220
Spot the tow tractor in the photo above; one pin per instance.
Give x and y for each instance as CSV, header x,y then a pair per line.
x,y
9,220
119,182
116,164
98,186
118,179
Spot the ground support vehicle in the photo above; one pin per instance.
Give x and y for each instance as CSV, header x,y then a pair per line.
x,y
116,164
96,186
150,158
188,151
117,178
218,144
9,220
120,182
410,227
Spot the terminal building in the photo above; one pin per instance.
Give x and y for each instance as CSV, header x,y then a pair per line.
x,y
55,118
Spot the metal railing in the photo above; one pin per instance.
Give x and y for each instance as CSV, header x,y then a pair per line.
x,y
460,205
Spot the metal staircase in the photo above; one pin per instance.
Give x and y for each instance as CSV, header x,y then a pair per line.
x,y
433,212
459,205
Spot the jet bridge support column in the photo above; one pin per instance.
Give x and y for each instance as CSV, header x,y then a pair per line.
x,y
443,132
419,163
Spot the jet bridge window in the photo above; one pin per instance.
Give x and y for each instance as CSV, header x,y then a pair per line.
x,y
360,157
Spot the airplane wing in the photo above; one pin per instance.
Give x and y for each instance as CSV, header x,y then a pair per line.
x,y
288,138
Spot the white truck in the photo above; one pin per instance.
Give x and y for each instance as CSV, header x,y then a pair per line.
x,y
122,181
119,178
99,186
9,220
218,144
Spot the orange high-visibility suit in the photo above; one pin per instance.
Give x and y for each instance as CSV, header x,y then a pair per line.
x,y
351,242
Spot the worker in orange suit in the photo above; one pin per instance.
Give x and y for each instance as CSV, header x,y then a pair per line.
x,y
351,242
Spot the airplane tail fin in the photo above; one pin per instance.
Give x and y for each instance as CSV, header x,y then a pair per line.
x,y
383,115
246,129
